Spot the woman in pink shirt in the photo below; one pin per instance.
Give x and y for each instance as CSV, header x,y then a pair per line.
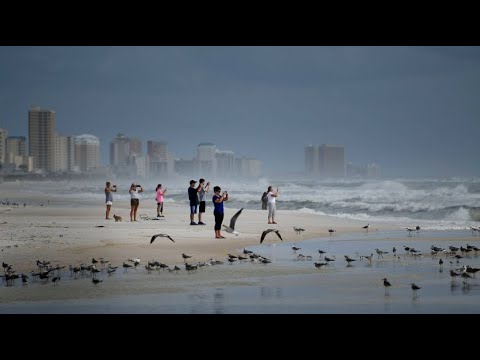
x,y
160,192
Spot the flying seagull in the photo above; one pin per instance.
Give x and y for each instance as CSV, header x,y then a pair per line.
x,y
270,230
231,229
161,235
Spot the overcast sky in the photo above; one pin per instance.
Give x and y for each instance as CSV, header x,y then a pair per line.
x,y
415,111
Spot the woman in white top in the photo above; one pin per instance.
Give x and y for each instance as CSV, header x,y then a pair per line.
x,y
271,195
134,200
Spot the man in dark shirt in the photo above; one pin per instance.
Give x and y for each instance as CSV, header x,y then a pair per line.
x,y
192,196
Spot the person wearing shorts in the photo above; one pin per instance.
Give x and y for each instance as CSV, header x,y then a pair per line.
x,y
160,192
193,199
134,200
108,198
202,189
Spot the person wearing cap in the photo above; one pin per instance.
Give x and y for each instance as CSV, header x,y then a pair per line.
x,y
192,196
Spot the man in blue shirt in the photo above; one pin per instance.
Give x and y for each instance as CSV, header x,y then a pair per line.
x,y
218,211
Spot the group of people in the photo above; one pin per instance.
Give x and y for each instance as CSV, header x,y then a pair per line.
x,y
197,199
134,192
197,196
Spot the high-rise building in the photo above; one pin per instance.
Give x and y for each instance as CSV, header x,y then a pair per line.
x,y
331,160
138,166
126,157
122,149
161,162
119,151
87,152
225,163
248,168
3,145
41,138
311,160
135,146
206,160
16,153
16,146
325,160
70,153
157,149
61,153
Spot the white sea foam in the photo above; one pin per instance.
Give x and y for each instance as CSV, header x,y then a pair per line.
x,y
439,203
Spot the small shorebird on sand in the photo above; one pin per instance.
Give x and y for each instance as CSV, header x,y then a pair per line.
x,y
386,284
298,230
185,257
415,288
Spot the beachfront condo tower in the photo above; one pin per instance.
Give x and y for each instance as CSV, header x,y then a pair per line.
x,y
41,138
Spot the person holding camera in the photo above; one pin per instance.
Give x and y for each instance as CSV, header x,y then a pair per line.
x,y
272,207
160,192
109,198
218,210
134,200
193,199
202,189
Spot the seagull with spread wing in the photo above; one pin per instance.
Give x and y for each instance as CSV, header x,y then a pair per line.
x,y
268,231
231,229
160,235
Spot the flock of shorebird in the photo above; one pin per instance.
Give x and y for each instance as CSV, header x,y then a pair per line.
x,y
46,271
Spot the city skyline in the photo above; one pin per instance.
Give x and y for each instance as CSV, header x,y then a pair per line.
x,y
52,153
81,153
413,110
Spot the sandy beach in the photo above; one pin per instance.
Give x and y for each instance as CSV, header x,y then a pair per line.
x,y
73,231
69,233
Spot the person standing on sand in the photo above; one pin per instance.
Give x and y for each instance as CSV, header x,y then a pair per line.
x,y
108,198
218,211
193,198
134,200
160,192
202,189
272,195
264,200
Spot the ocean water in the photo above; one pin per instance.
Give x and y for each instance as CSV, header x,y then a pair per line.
x,y
442,204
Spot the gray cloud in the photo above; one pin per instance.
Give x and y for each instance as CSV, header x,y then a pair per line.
x,y
413,110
